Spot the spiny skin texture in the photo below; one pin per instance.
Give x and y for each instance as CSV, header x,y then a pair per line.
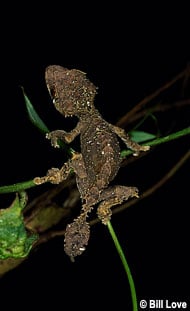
x,y
99,161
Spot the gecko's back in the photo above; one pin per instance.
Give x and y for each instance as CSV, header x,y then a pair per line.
x,y
100,150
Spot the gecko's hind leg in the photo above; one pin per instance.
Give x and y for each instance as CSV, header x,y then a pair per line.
x,y
113,196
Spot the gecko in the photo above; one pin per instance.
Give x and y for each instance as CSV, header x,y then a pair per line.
x,y
99,159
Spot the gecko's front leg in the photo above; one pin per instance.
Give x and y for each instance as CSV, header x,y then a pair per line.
x,y
67,137
54,136
127,140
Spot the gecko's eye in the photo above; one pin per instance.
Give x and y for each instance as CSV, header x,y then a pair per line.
x,y
89,106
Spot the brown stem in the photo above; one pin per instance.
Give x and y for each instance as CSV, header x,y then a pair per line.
x,y
158,108
125,119
156,186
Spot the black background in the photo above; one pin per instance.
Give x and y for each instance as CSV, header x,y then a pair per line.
x,y
128,53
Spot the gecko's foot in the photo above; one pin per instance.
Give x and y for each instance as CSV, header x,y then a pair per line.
x,y
104,212
53,176
40,180
145,148
53,138
141,148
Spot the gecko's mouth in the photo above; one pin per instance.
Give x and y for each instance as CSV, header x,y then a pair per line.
x,y
68,114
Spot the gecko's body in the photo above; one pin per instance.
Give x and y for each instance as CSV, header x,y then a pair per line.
x,y
99,160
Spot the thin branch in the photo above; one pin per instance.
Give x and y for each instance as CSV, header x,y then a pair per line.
x,y
17,187
158,108
47,196
156,186
150,97
125,265
170,137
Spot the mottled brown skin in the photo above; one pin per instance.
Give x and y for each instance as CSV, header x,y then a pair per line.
x,y
99,160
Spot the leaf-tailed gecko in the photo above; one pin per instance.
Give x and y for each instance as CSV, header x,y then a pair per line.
x,y
99,160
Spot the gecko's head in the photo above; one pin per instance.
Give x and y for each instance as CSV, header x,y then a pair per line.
x,y
71,91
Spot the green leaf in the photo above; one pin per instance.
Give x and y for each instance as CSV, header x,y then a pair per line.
x,y
33,115
15,241
140,136
37,121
